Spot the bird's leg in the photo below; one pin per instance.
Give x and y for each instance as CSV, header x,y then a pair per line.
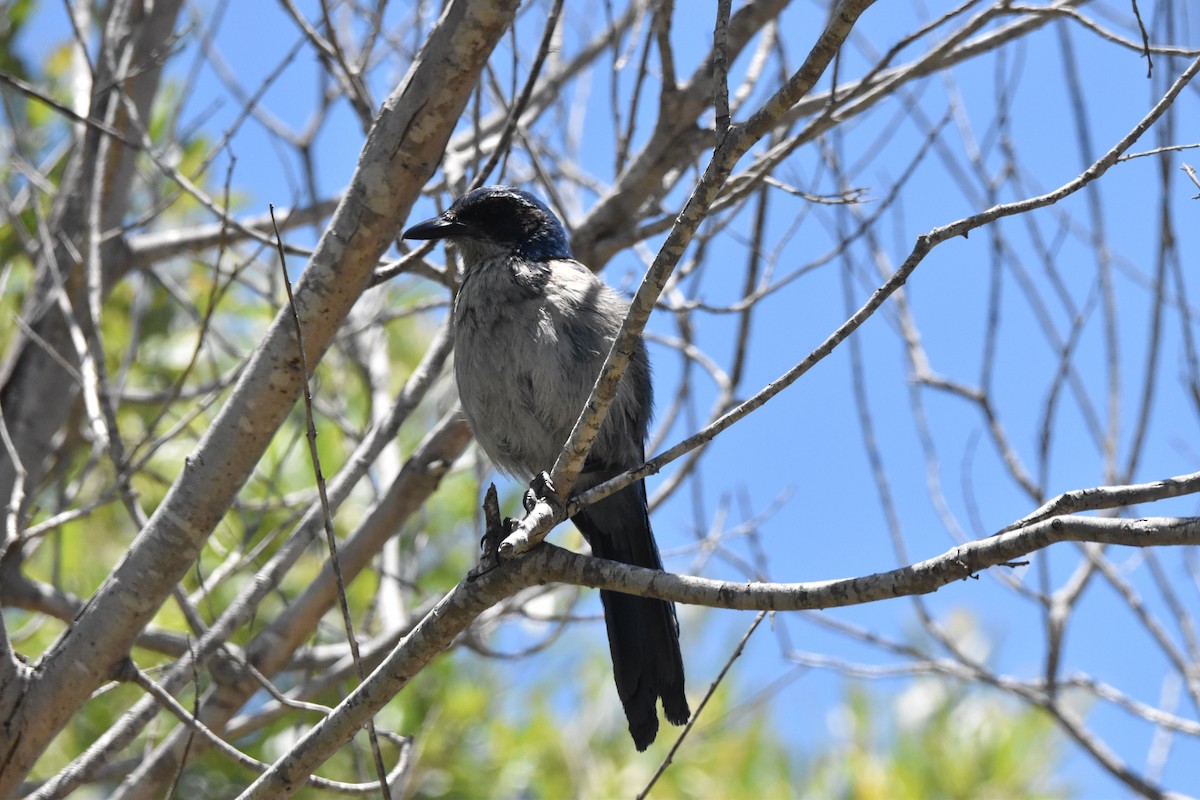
x,y
542,507
540,488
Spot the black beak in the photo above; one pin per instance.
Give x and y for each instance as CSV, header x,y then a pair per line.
x,y
436,228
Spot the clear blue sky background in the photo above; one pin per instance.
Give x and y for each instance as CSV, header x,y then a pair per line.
x,y
806,444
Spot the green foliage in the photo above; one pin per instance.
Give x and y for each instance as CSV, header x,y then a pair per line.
x,y
937,739
479,734
13,16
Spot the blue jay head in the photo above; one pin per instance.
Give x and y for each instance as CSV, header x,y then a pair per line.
x,y
498,220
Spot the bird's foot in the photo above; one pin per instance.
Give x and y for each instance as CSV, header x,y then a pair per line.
x,y
494,532
542,508
489,548
541,487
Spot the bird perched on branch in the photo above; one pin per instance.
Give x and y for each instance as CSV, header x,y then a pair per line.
x,y
532,328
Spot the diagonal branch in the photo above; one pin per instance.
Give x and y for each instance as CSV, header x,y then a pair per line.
x,y
470,598
400,154
738,140
925,244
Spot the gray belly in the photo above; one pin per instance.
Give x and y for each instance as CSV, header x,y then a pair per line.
x,y
516,397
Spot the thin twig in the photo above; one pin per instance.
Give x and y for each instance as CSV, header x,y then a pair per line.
x,y
327,515
712,690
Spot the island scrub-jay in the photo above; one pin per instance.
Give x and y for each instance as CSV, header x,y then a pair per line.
x,y
532,328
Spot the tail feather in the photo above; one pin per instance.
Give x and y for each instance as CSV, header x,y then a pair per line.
x,y
643,633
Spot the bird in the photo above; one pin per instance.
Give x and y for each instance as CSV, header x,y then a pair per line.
x,y
532,327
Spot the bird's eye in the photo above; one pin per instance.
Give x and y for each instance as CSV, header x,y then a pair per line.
x,y
503,218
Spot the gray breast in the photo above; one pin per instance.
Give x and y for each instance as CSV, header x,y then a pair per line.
x,y
526,362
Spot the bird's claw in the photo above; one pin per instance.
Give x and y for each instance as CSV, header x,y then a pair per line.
x,y
489,546
540,488
495,530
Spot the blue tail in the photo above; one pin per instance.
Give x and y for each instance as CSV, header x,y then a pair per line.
x,y
643,633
